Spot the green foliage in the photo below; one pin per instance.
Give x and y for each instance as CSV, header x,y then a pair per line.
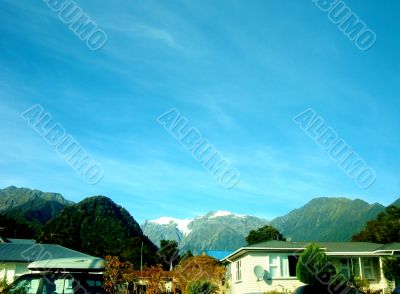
x,y
168,254
99,227
361,284
15,228
4,286
315,267
202,287
391,268
384,229
263,234
187,254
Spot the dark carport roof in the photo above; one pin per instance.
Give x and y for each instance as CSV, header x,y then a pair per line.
x,y
11,252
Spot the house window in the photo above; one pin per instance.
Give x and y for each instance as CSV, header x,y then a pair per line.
x,y
351,267
284,266
356,267
238,270
274,266
292,265
27,285
367,268
345,267
228,271
61,285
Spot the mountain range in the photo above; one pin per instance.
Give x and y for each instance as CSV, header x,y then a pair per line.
x,y
31,205
327,219
321,219
217,230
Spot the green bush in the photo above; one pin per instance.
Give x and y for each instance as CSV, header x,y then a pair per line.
x,y
391,268
314,267
202,287
4,286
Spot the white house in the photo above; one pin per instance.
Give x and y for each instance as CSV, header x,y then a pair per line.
x,y
16,254
271,265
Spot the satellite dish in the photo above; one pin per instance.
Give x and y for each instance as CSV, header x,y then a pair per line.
x,y
259,272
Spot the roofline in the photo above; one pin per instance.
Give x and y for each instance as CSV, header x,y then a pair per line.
x,y
379,252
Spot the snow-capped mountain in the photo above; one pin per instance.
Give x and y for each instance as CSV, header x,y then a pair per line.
x,y
217,230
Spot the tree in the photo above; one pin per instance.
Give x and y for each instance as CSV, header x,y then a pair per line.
x,y
169,254
187,254
315,267
120,277
384,229
116,274
263,234
11,227
198,268
391,268
155,277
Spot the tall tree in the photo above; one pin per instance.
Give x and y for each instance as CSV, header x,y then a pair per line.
x,y
263,234
168,254
384,229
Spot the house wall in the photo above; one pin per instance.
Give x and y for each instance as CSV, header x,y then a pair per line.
x,y
249,283
12,270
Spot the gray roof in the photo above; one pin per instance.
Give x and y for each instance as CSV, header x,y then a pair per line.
x,y
392,246
29,252
356,248
327,246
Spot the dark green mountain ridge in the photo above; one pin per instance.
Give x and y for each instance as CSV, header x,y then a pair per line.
x,y
99,227
327,219
33,206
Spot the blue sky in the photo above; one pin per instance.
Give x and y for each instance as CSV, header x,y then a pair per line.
x,y
238,70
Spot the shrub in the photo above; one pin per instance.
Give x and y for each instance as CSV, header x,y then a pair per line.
x,y
314,267
202,287
391,268
4,286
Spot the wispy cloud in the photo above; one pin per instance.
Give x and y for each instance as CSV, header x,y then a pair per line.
x,y
150,32
160,35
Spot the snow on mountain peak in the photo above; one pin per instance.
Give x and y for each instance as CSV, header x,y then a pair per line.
x,y
181,224
224,213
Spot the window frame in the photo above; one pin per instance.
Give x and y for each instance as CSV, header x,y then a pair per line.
x,y
370,267
238,271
